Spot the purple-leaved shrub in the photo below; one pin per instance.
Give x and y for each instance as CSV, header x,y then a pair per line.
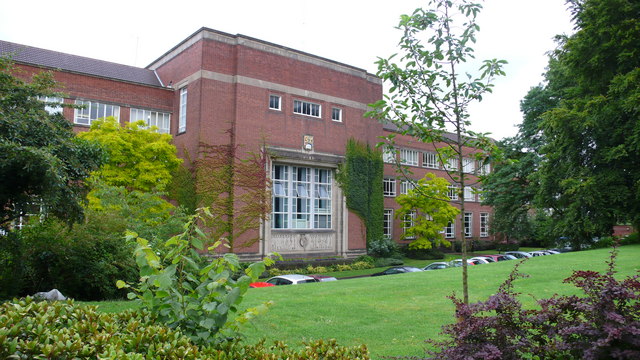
x,y
604,323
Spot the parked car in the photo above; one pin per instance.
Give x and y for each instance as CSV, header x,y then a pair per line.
x,y
518,254
500,257
398,270
323,278
479,260
458,262
292,279
539,253
552,252
259,284
436,266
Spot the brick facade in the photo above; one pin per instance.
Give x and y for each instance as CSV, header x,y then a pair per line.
x,y
229,80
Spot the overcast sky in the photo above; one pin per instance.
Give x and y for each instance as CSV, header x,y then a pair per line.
x,y
136,32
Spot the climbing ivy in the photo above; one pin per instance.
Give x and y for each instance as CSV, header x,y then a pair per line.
x,y
360,177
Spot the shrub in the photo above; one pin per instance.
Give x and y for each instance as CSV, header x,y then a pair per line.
x,y
185,291
365,258
423,254
383,248
603,324
605,242
388,262
502,247
631,239
361,265
80,332
343,267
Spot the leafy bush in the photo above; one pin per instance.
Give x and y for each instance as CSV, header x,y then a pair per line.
x,y
605,242
361,265
603,324
343,268
383,262
80,332
631,239
502,247
186,291
365,258
383,248
422,254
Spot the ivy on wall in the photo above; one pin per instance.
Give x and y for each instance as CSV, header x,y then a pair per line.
x,y
360,177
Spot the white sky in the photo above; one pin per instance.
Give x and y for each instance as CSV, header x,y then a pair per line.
x,y
136,32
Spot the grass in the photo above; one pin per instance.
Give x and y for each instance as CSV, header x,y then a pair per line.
x,y
392,315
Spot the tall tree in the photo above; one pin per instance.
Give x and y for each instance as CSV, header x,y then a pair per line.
x,y
590,176
431,92
43,165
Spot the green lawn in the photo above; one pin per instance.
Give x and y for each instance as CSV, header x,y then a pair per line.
x,y
394,314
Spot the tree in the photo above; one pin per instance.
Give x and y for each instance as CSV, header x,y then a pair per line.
x,y
43,165
427,211
430,93
139,158
590,176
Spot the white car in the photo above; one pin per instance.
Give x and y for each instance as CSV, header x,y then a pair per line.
x,y
519,254
481,260
436,266
292,279
539,253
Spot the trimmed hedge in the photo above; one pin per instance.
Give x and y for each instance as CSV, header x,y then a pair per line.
x,y
63,330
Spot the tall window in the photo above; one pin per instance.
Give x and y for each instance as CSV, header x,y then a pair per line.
x,y
430,160
387,224
274,102
405,186
161,120
388,155
468,224
450,230
50,106
407,222
484,224
306,108
468,165
301,197
485,169
94,110
336,114
182,115
451,164
468,194
409,157
453,192
389,187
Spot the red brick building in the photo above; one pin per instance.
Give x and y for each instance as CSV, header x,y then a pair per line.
x,y
223,89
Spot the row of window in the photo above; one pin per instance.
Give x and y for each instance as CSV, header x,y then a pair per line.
x,y
430,160
449,231
307,108
93,110
389,189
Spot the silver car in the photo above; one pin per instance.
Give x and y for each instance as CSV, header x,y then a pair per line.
x,y
292,279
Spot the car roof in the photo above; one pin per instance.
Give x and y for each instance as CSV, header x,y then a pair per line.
x,y
293,277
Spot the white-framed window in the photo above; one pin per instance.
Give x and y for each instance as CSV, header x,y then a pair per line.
x,y
430,160
484,224
388,154
468,224
453,192
480,193
336,114
405,186
409,157
468,194
182,114
275,102
485,169
50,104
468,165
387,224
94,110
301,197
451,164
450,230
161,120
389,187
408,220
306,108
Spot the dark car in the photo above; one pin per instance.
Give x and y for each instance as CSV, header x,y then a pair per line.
x,y
398,270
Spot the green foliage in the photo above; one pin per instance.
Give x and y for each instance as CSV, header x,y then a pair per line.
x,y
139,158
80,332
83,261
42,163
384,248
186,291
631,239
590,176
502,247
365,258
383,262
183,188
430,212
422,254
360,177
11,266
